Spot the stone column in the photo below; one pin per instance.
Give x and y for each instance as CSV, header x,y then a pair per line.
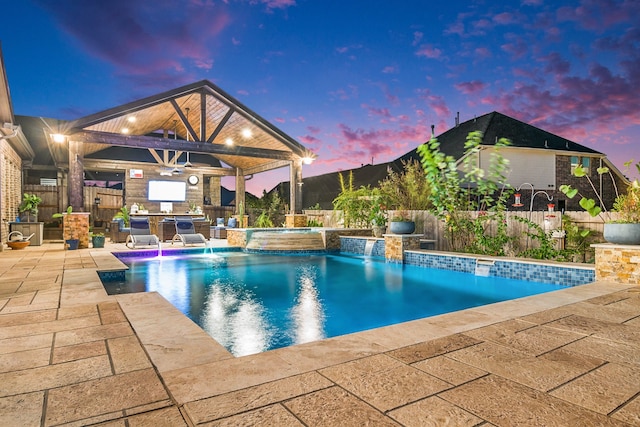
x,y
295,189
617,263
214,191
75,180
240,189
396,244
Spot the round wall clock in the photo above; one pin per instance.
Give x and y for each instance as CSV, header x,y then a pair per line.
x,y
193,179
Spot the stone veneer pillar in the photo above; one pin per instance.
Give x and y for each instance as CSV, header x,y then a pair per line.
x,y
396,244
618,263
77,227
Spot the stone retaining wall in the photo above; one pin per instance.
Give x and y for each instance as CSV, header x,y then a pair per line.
x,y
618,263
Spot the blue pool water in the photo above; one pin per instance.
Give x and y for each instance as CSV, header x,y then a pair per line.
x,y
252,303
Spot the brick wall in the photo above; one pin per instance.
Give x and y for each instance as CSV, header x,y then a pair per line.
x,y
563,176
10,187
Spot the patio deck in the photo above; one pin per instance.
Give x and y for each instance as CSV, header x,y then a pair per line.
x,y
72,355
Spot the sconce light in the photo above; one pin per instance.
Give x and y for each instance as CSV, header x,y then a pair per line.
x,y
307,160
58,137
96,201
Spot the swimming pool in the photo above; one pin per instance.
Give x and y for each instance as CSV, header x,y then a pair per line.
x,y
252,303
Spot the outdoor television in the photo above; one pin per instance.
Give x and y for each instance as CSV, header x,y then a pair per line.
x,y
167,191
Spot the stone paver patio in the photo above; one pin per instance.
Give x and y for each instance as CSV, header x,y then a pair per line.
x,y
72,355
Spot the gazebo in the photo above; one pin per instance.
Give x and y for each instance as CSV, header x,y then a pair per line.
x,y
196,130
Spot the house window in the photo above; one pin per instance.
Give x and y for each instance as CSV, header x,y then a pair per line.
x,y
585,162
574,163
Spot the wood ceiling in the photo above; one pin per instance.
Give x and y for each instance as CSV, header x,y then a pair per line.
x,y
198,118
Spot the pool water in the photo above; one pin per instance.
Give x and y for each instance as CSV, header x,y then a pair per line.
x,y
254,302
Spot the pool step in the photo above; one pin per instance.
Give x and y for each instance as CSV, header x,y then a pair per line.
x,y
286,241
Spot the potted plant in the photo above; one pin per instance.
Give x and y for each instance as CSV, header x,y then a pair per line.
x,y
124,215
97,239
72,241
402,224
29,206
378,220
626,229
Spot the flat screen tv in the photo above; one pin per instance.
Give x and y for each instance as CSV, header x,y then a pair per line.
x,y
167,191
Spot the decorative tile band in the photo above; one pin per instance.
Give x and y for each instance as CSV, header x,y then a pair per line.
x,y
511,269
357,245
173,252
563,275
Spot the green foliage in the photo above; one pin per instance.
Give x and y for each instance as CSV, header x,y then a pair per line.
x,y
454,192
627,204
408,189
480,239
355,204
30,203
314,223
315,207
577,239
545,249
263,221
124,214
271,206
377,216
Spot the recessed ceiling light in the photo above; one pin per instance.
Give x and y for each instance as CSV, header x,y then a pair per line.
x,y
228,141
131,119
125,130
246,133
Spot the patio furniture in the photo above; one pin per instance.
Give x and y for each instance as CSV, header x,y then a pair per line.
x,y
220,230
186,233
140,234
119,232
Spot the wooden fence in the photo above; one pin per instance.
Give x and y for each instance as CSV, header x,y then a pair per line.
x,y
435,229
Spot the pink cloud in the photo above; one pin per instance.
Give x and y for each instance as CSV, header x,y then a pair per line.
x,y
429,51
483,52
279,120
470,88
505,18
436,103
390,69
417,37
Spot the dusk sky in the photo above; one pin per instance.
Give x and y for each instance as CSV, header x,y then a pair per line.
x,y
351,80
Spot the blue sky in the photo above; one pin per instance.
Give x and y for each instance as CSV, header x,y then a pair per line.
x,y
352,80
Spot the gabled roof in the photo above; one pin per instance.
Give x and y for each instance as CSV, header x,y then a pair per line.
x,y
324,188
496,125
198,118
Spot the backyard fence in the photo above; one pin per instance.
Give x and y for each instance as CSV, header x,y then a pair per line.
x,y
436,230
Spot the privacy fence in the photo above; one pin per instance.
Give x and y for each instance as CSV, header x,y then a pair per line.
x,y
436,230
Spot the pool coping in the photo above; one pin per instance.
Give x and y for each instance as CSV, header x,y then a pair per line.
x,y
187,358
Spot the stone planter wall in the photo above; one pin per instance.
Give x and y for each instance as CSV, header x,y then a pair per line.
x,y
396,244
295,220
618,263
76,226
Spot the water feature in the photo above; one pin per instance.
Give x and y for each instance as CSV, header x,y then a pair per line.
x,y
368,247
483,266
285,240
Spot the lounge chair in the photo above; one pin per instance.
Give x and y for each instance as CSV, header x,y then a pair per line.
x,y
141,233
186,233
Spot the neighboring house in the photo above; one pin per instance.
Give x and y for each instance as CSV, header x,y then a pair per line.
x,y
539,162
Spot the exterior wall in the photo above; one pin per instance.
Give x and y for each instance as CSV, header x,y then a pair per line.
x,y
10,187
136,189
603,183
536,167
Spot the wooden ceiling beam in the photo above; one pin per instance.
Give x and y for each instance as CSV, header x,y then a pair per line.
x,y
223,122
141,141
185,122
102,164
155,155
